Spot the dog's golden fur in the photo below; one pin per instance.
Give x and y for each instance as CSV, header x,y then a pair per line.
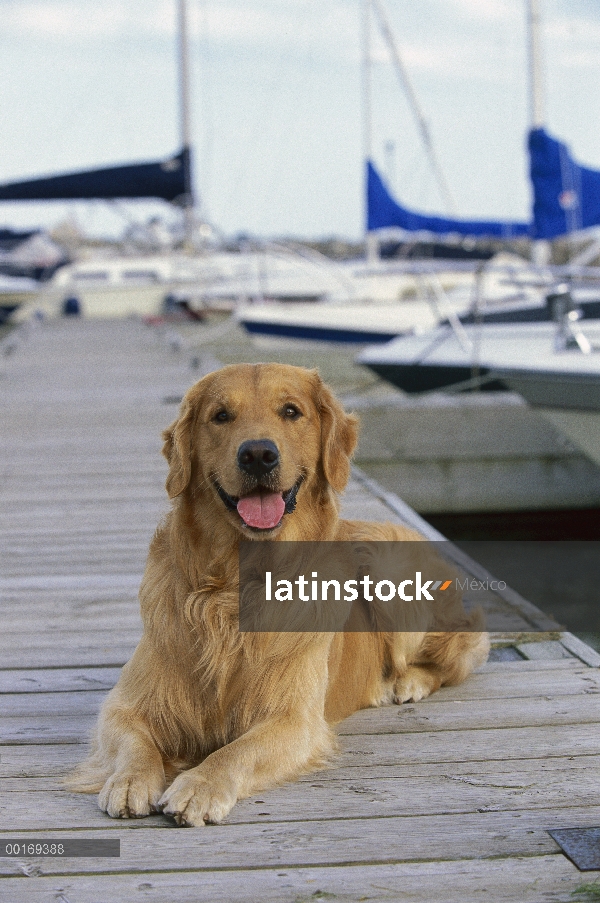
x,y
204,715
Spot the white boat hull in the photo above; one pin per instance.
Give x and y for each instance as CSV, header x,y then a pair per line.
x,y
582,428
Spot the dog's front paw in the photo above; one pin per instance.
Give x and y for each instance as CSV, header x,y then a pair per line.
x,y
193,800
131,795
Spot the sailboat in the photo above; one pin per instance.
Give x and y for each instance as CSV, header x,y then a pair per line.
x,y
117,286
566,195
566,199
436,288
554,366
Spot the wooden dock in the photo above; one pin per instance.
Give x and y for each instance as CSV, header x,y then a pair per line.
x,y
447,800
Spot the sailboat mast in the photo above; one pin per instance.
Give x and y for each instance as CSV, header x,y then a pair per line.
x,y
371,241
540,248
536,95
367,110
185,129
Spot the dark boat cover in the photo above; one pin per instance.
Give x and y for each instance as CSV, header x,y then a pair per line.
x,y
168,180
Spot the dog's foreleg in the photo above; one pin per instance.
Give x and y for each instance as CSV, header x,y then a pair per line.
x,y
277,749
138,778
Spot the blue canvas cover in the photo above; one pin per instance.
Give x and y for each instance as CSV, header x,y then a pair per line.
x,y
383,211
166,179
566,196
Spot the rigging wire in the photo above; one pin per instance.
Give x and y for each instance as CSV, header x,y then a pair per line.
x,y
414,105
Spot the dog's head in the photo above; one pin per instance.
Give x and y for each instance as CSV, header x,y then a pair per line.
x,y
259,438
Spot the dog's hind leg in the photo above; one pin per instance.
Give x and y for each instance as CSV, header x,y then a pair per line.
x,y
417,682
443,659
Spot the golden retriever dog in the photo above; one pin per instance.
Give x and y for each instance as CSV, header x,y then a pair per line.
x,y
203,714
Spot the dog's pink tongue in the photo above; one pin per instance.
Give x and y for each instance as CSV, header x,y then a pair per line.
x,y
261,509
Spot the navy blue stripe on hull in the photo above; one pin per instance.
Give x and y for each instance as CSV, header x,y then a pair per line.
x,y
320,333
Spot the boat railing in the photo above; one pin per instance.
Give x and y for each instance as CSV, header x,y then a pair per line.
x,y
442,308
315,257
556,294
566,316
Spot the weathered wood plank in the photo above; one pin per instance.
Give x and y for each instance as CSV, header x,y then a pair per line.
x,y
519,678
66,639
57,680
584,652
70,652
33,762
43,760
157,844
120,619
446,715
522,682
78,649
59,647
46,706
381,749
39,601
54,729
458,715
319,842
120,493
39,802
550,678
473,746
514,880
63,518
127,529
545,650
125,583
439,794
526,666
45,572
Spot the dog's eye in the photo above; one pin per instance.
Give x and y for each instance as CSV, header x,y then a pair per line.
x,y
221,416
291,412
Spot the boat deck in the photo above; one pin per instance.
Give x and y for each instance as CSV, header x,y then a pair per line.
x,y
450,799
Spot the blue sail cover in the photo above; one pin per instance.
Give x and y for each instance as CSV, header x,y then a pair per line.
x,y
169,180
566,196
383,211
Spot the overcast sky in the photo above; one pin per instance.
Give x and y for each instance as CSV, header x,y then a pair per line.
x,y
277,114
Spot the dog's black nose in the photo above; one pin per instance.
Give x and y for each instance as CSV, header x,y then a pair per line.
x,y
258,457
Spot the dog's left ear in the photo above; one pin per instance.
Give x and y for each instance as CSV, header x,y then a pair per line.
x,y
339,435
177,447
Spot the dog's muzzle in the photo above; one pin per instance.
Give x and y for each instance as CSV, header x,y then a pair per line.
x,y
261,509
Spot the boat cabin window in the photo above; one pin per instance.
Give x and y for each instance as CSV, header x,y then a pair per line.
x,y
91,276
140,275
